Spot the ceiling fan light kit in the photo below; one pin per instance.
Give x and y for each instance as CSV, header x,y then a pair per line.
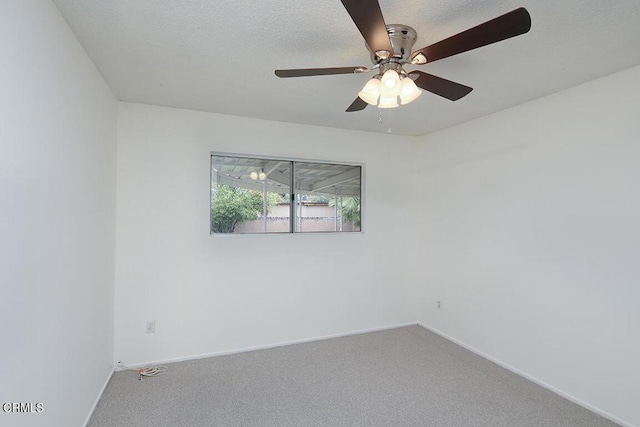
x,y
391,48
387,88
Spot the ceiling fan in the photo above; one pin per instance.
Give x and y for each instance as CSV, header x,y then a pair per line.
x,y
390,47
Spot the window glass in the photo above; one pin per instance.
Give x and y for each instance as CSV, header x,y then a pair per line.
x,y
257,195
328,197
250,195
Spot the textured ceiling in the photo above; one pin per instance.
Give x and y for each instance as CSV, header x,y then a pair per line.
x,y
219,56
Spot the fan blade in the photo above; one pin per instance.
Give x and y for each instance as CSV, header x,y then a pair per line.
x,y
503,27
367,16
439,86
303,72
357,105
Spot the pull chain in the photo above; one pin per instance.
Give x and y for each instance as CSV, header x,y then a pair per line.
x,y
380,120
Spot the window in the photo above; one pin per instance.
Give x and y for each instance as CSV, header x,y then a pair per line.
x,y
264,195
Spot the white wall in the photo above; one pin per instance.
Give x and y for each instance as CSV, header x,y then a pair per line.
x,y
57,218
211,294
532,240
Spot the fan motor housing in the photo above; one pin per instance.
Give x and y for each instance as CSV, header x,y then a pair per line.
x,y
402,38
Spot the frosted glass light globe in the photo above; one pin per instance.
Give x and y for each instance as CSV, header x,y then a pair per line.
x,y
408,91
388,102
390,84
370,92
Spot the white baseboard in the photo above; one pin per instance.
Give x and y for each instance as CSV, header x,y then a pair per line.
x,y
530,378
93,408
264,347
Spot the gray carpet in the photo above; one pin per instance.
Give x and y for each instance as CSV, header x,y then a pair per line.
x,y
400,377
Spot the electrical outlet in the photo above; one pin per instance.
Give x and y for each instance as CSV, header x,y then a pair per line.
x,y
151,326
439,305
